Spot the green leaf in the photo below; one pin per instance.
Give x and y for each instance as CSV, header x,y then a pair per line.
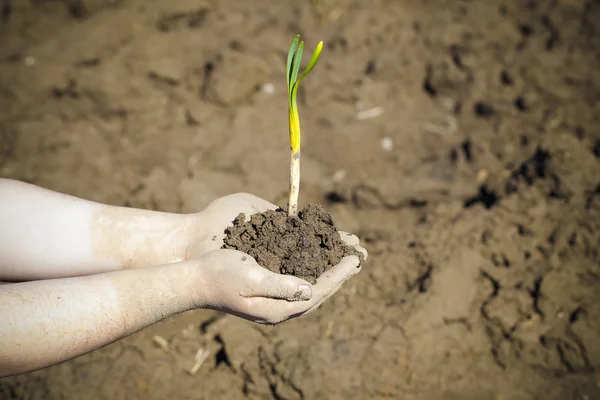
x,y
296,64
313,61
290,59
309,67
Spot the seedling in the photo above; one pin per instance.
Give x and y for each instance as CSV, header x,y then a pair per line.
x,y
278,250
293,82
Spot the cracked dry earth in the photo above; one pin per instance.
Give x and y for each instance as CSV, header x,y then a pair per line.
x,y
481,213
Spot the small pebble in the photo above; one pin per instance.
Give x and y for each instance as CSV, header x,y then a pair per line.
x,y
339,175
201,356
482,176
161,342
29,61
370,113
387,144
268,88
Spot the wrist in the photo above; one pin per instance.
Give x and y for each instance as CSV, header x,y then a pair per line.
x,y
205,280
145,296
135,238
184,281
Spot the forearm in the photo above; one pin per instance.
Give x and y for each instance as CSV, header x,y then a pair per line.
x,y
46,322
44,234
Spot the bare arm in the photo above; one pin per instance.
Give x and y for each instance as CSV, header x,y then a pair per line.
x,y
46,322
100,292
45,234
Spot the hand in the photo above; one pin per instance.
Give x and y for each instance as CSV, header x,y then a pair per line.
x,y
232,282
209,225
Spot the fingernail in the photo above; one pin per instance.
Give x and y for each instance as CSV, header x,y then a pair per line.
x,y
305,292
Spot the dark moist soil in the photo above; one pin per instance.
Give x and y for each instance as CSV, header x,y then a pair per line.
x,y
305,246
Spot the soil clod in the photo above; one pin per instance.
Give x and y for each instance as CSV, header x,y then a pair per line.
x,y
304,246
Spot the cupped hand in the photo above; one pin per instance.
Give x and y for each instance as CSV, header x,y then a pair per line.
x,y
232,282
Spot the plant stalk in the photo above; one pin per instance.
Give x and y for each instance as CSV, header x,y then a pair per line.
x,y
293,81
294,184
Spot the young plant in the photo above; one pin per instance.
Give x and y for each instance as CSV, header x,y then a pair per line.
x,y
293,82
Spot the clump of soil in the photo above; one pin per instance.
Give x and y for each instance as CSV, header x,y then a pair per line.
x,y
304,246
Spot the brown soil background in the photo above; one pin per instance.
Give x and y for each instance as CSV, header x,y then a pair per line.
x,y
482,222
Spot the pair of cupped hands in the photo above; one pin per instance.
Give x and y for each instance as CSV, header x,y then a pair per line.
x,y
234,281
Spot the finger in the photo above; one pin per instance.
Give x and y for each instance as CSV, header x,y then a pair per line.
x,y
281,287
350,239
363,251
354,241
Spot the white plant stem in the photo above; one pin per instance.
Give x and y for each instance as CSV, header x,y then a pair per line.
x,y
294,184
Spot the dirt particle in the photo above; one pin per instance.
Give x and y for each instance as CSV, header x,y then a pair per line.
x,y
236,45
370,68
77,9
487,197
520,104
335,197
337,42
523,231
456,56
466,148
596,149
69,91
222,357
423,281
526,30
190,119
574,316
196,20
506,79
191,19
483,110
453,155
428,86
89,62
553,34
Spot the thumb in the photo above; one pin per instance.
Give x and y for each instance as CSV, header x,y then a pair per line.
x,y
282,287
